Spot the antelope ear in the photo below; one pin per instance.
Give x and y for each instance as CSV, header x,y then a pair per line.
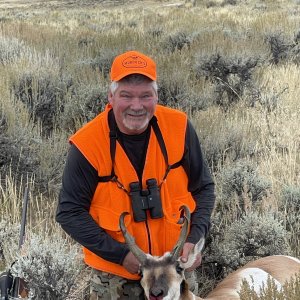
x,y
192,256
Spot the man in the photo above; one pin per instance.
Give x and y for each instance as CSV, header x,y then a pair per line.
x,y
135,148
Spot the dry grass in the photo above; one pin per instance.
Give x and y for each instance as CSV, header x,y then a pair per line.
x,y
73,43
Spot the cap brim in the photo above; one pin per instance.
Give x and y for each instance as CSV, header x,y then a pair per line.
x,y
121,76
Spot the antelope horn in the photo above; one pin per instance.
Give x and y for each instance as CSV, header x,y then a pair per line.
x,y
129,239
183,234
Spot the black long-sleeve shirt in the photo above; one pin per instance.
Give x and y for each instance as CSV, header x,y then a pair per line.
x,y
80,180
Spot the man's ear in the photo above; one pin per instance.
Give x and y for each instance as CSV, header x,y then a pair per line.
x,y
192,256
110,97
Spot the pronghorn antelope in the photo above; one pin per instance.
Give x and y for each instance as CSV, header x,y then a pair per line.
x,y
163,277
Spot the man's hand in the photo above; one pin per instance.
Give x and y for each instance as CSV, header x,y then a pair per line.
x,y
187,249
131,264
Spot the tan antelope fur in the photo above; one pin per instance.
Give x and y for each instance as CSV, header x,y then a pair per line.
x,y
163,277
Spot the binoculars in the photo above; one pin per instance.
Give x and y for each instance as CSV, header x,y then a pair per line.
x,y
143,200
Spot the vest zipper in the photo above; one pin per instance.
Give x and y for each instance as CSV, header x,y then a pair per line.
x,y
146,221
148,235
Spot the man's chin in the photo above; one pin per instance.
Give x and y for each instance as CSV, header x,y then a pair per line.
x,y
136,128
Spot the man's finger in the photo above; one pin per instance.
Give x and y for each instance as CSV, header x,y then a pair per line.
x,y
187,248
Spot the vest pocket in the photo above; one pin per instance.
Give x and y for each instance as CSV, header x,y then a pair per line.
x,y
173,221
172,231
109,221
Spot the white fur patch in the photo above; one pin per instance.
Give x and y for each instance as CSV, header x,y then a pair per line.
x,y
257,278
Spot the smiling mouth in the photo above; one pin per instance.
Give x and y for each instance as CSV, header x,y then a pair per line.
x,y
136,116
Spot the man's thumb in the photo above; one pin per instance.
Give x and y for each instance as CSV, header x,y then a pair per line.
x,y
184,255
183,259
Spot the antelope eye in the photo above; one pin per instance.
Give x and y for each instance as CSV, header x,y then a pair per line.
x,y
179,269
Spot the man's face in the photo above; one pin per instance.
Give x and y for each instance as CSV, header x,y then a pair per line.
x,y
134,106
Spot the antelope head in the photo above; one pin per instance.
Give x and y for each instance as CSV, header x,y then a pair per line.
x,y
163,277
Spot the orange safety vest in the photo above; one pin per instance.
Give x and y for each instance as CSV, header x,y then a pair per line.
x,y
109,201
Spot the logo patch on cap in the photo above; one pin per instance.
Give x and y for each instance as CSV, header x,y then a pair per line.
x,y
134,62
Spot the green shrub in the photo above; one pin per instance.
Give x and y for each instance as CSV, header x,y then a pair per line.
x,y
11,49
231,76
229,2
85,102
9,238
290,291
227,142
50,267
283,49
43,94
290,198
26,158
240,182
177,94
101,61
15,152
290,213
57,102
279,47
177,41
249,238
51,154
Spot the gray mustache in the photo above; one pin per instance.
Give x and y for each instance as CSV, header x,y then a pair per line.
x,y
136,113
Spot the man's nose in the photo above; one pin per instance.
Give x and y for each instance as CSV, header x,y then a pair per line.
x,y
136,103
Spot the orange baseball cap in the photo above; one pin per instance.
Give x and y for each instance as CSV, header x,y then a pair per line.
x,y
132,62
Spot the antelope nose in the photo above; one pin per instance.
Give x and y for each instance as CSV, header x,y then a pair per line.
x,y
157,293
